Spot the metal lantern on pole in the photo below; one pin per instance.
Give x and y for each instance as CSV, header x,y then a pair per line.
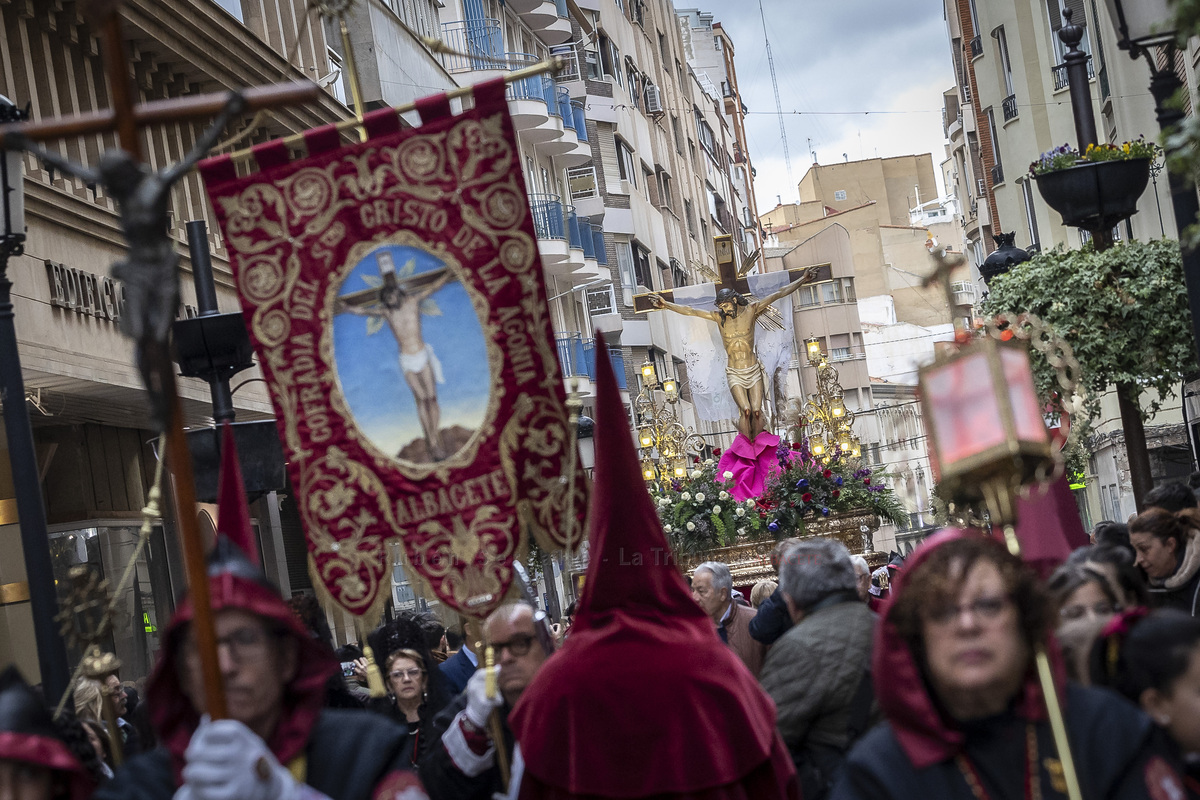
x,y
31,513
1141,23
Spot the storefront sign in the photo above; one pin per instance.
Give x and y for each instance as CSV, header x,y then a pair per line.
x,y
84,293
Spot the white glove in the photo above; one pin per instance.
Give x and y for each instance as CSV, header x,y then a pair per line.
x,y
227,761
479,705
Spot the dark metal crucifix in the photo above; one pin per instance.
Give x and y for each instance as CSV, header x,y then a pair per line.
x,y
150,268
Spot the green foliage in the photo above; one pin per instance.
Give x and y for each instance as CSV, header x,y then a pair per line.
x,y
699,514
1124,312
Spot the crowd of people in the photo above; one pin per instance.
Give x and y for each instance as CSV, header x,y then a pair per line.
x,y
917,680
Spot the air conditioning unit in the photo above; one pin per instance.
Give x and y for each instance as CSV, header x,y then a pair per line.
x,y
653,99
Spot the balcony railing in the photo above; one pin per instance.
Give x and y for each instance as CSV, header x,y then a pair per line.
x,y
549,221
598,239
562,99
574,230
976,47
561,7
580,120
1010,107
1062,80
535,87
587,239
997,175
480,41
577,356
570,57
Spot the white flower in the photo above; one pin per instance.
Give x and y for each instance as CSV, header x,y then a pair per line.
x,y
716,509
685,496
741,531
708,462
724,495
741,512
699,497
666,528
727,475
695,474
691,526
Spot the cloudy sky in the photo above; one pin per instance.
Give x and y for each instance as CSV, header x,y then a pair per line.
x,y
837,56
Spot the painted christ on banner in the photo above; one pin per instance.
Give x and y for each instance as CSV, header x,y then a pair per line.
x,y
435,342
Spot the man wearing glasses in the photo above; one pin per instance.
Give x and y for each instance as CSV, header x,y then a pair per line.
x,y
463,766
277,743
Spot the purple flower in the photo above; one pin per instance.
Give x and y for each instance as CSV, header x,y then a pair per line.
x,y
773,527
825,512
838,480
802,483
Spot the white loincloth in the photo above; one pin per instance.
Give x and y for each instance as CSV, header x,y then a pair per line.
x,y
416,362
746,377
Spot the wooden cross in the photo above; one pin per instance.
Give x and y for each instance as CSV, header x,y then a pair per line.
x,y
143,197
731,277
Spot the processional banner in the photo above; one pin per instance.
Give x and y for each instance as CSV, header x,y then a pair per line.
x,y
394,293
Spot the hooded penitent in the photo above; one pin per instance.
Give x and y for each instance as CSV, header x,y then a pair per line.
x,y
27,734
235,582
643,699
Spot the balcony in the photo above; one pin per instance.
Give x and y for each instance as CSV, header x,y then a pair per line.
x,y
527,101
558,101
550,224
481,42
577,150
549,20
964,293
577,356
976,47
1062,80
1010,107
997,175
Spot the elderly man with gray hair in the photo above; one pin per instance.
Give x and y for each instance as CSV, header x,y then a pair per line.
x,y
712,588
818,673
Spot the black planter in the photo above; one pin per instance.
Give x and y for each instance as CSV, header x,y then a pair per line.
x,y
1096,196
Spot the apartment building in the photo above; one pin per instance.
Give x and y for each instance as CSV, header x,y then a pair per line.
x,y
1011,103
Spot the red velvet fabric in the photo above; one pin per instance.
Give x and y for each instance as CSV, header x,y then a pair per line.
x,y
1049,527
233,510
927,737
643,700
48,752
171,713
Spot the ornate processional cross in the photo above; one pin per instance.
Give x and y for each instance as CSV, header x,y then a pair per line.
x,y
150,268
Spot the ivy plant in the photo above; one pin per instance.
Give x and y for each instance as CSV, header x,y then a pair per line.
x,y
1124,312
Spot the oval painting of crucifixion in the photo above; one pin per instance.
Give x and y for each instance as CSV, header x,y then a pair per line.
x,y
411,358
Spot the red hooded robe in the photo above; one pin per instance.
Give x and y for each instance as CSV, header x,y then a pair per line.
x,y
643,700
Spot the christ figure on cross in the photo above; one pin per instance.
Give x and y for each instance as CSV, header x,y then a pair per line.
x,y
736,316
400,300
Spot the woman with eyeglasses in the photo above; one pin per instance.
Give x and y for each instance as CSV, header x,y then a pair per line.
x,y
407,683
954,672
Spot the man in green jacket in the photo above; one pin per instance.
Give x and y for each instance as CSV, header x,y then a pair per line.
x,y
818,673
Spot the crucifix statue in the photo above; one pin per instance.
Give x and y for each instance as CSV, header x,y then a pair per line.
x,y
736,316
149,270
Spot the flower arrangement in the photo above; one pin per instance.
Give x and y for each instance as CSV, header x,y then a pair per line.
x,y
698,513
1065,156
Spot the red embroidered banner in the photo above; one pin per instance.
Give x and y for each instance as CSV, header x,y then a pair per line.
x,y
395,295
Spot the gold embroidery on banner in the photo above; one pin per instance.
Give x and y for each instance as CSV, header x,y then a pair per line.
x,y
489,538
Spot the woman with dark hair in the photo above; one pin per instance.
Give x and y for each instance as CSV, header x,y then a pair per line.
x,y
1167,551
1086,589
407,680
955,675
1154,660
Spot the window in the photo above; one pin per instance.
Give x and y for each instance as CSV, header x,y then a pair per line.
x,y
705,134
662,48
839,195
1030,214
634,94
625,163
678,136
1005,64
601,300
691,218
642,274
838,290
664,190
679,276
582,182
625,264
338,86
649,186
591,60
839,347
1056,23
995,141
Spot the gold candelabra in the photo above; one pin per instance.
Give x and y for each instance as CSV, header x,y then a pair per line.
x,y
664,441
827,422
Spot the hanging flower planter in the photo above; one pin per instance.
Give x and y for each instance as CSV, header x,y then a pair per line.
x,y
1095,196
1098,188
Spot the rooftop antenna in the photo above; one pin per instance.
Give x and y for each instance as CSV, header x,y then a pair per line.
x,y
787,158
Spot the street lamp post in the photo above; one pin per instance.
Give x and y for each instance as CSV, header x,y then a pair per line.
x,y
31,514
1141,26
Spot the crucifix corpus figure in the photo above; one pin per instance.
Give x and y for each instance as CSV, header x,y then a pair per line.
x,y
400,300
736,315
150,270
